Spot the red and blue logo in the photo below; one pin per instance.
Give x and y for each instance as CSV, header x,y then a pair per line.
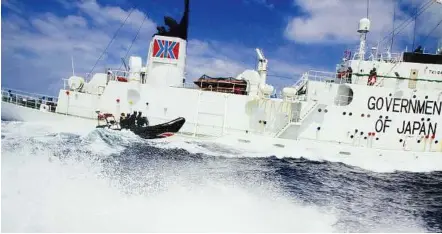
x,y
166,49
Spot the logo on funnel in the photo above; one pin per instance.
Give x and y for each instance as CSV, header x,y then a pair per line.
x,y
166,49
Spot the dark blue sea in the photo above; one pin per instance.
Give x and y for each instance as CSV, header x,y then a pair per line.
x,y
101,181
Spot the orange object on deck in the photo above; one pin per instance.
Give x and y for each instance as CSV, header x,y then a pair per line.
x,y
121,79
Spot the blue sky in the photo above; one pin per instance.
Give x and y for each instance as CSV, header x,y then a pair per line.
x,y
39,37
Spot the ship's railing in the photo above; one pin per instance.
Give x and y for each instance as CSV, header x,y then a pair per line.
x,y
323,76
294,98
99,89
187,86
301,80
374,54
31,100
210,88
115,75
390,57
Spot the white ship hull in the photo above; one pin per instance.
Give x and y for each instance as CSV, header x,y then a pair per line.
x,y
388,107
258,145
14,112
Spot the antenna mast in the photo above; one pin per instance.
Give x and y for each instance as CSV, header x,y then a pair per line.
x,y
72,60
363,29
368,6
394,19
414,30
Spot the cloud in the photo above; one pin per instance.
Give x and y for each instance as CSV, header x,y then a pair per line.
x,y
336,21
105,15
216,58
37,50
260,2
12,5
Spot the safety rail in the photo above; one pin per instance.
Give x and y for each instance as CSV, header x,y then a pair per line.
x,y
301,81
295,98
31,100
113,75
390,57
296,118
322,76
283,129
309,108
187,86
99,89
231,90
123,75
375,55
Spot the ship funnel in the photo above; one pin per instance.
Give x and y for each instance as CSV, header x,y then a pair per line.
x,y
167,52
166,61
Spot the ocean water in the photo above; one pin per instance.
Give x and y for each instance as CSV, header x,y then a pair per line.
x,y
66,179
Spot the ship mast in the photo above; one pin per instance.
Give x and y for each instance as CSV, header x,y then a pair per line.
x,y
364,28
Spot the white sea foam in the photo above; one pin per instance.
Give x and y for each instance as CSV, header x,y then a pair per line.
x,y
40,193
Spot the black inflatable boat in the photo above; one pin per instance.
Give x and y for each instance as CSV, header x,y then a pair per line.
x,y
147,132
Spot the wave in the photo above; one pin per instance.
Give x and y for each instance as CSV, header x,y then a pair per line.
x,y
105,181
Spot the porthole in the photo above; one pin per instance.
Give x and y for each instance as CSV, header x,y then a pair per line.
x,y
344,96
